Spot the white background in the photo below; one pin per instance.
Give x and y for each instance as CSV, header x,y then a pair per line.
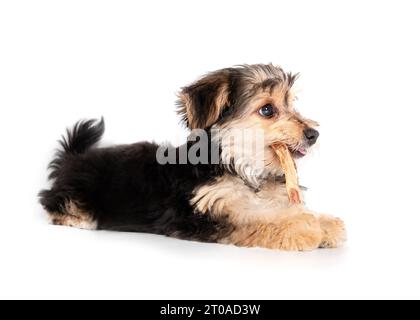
x,y
359,62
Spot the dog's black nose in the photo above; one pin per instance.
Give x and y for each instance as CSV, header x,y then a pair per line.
x,y
311,135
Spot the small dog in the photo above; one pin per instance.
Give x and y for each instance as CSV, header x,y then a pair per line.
x,y
226,184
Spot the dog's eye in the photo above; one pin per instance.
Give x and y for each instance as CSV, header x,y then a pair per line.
x,y
267,111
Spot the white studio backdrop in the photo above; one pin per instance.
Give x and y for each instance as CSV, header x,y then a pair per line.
x,y
125,60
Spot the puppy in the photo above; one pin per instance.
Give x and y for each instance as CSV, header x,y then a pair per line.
x,y
224,185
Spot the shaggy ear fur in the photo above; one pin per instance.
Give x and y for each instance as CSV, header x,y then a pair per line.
x,y
202,103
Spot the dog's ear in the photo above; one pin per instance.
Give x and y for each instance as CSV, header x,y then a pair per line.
x,y
202,103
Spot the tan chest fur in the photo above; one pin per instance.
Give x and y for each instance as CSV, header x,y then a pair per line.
x,y
230,196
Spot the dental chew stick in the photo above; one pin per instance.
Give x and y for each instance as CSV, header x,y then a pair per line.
x,y
289,167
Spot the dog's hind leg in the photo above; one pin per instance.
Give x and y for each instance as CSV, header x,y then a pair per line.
x,y
67,212
71,215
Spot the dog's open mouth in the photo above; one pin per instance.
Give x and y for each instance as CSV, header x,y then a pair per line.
x,y
298,153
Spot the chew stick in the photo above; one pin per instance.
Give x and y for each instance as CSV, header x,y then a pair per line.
x,y
289,167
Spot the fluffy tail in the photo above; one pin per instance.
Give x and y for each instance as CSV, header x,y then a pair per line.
x,y
84,135
79,139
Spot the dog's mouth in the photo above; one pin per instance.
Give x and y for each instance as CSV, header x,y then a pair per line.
x,y
298,153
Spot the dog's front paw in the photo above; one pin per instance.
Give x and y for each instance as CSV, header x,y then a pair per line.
x,y
334,232
300,233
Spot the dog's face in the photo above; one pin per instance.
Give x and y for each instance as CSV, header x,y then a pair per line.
x,y
249,105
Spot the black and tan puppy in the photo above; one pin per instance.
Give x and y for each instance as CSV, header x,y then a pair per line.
x,y
224,185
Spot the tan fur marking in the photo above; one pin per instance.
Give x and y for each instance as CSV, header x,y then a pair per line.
x,y
73,216
186,106
222,99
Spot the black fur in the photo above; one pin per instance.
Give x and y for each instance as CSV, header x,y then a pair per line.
x,y
125,189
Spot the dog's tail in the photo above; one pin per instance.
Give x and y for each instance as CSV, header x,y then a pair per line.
x,y
83,136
